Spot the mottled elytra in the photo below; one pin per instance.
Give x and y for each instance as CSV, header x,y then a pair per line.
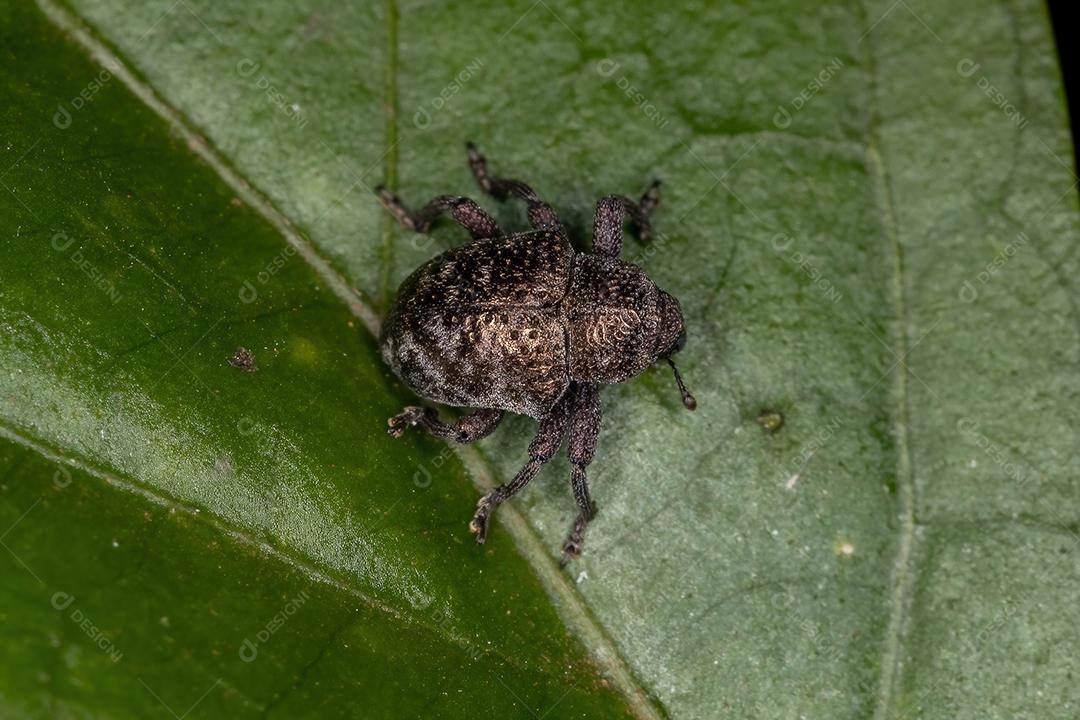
x,y
521,323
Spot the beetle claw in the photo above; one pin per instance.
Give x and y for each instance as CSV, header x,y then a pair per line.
x,y
408,417
479,524
575,541
570,551
478,527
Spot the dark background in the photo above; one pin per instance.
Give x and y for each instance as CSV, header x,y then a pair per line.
x,y
1063,15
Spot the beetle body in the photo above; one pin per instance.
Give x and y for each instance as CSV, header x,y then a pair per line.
x,y
521,323
509,322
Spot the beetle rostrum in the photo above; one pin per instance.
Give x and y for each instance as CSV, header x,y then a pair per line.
x,y
522,323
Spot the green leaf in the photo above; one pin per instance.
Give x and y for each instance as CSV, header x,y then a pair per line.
x,y
869,218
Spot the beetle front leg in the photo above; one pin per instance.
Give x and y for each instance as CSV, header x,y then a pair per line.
x,y
464,211
548,438
584,431
470,428
610,213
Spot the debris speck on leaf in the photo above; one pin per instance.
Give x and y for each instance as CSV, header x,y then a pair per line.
x,y
770,420
243,359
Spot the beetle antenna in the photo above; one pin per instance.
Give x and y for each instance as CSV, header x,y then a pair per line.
x,y
687,399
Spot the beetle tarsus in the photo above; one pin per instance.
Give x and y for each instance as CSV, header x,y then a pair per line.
x,y
575,541
465,212
470,428
478,165
571,550
650,199
393,203
479,524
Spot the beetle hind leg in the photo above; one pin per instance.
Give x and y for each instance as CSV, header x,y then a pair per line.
x,y
587,511
464,211
540,213
584,432
546,443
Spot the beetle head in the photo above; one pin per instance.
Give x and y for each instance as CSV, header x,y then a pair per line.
x,y
671,337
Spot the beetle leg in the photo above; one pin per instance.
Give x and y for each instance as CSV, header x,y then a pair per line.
x,y
610,213
470,428
546,443
540,213
584,431
465,212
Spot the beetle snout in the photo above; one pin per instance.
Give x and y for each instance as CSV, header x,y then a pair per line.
x,y
680,343
671,334
672,338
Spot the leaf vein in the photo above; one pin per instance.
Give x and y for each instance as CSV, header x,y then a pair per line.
x,y
903,575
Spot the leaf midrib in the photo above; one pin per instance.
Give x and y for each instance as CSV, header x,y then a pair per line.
x,y
567,601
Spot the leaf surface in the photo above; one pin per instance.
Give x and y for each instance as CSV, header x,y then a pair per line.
x,y
869,217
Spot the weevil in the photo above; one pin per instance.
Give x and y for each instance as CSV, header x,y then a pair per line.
x,y
522,323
